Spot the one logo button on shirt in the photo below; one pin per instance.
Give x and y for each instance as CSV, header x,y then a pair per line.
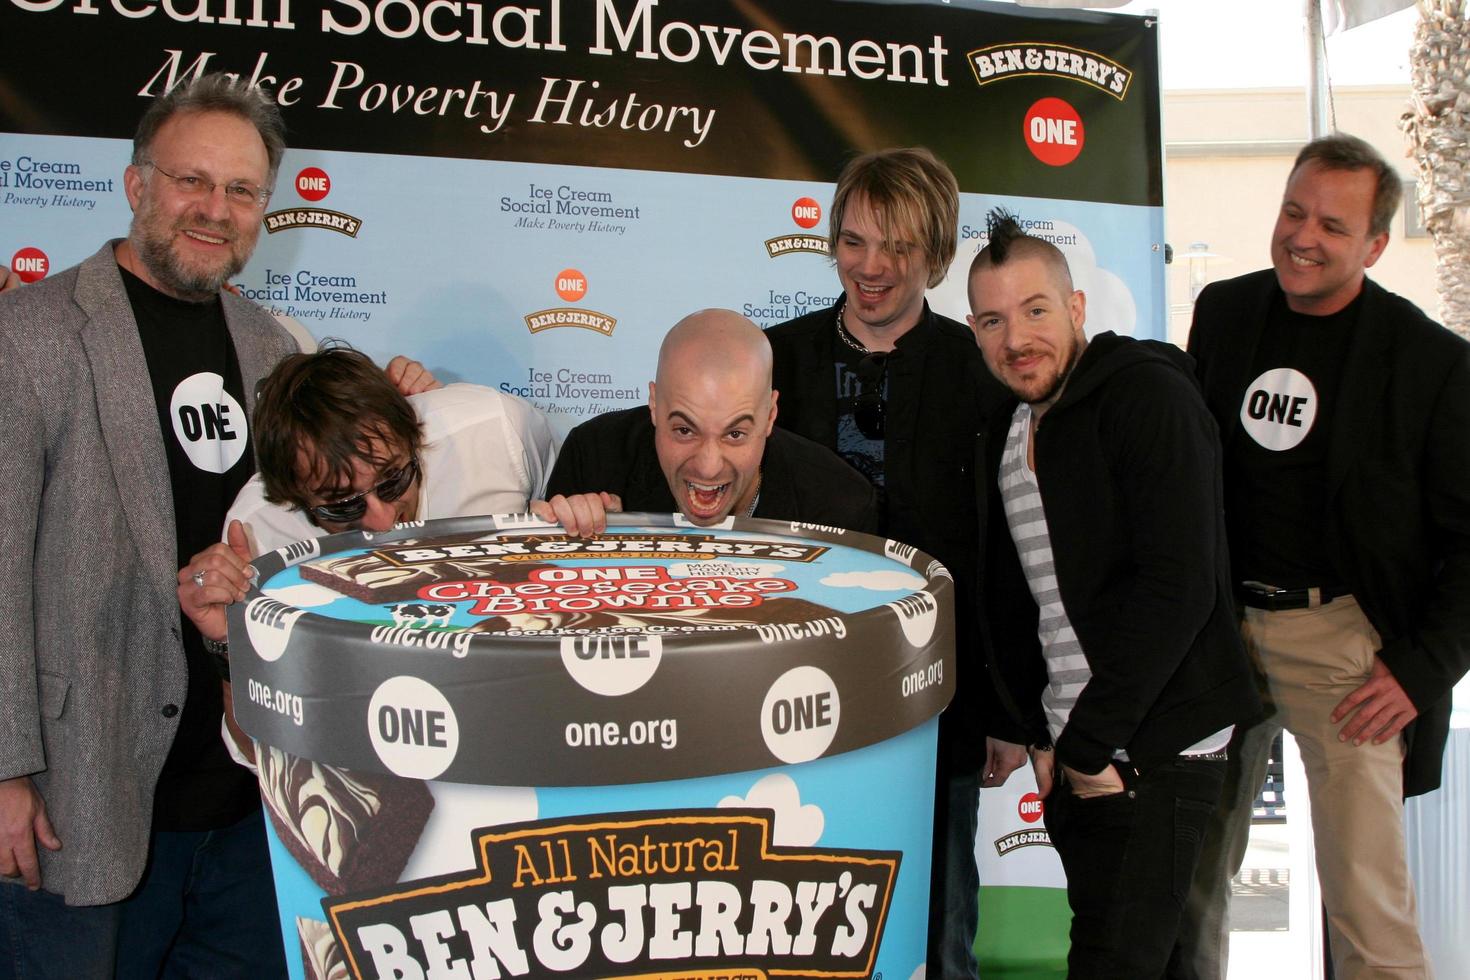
x,y
208,422
1279,408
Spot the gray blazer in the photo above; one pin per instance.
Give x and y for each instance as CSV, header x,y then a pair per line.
x,y
92,670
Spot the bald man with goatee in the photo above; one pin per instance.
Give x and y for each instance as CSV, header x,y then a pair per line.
x,y
706,445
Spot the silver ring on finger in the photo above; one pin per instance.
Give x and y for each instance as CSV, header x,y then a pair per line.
x,y
199,579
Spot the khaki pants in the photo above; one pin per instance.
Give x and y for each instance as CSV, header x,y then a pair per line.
x,y
1308,660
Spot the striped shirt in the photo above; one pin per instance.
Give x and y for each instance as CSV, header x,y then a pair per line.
x,y
1066,665
1067,669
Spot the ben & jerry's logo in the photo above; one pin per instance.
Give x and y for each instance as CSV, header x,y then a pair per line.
x,y
571,286
1022,838
571,897
806,213
312,184
561,546
1023,58
343,224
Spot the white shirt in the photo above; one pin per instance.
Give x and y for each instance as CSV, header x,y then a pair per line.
x,y
484,453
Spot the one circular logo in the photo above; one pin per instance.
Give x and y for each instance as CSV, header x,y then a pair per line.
x,y
412,727
31,264
611,665
1029,808
917,615
800,714
571,285
1053,132
268,624
806,212
1279,408
208,422
313,184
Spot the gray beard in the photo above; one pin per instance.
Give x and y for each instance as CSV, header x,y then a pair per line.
x,y
193,286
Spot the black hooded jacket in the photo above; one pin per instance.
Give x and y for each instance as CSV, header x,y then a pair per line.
x,y
1128,461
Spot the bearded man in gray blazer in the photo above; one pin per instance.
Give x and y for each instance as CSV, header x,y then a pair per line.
x,y
128,841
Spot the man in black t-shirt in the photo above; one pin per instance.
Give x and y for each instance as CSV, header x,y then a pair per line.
x,y
901,392
1344,412
131,844
705,446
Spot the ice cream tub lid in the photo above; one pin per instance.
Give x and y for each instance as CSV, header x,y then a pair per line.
x,y
501,651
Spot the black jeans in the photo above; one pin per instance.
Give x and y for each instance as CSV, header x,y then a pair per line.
x,y
954,880
1129,858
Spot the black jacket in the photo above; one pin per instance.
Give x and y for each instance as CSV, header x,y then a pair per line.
x,y
1398,466
800,481
939,390
1128,462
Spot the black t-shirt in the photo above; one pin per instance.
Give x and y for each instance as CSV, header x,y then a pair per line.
x,y
863,454
201,413
1277,468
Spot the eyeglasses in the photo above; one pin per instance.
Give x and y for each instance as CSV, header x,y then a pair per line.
x,y
871,410
390,488
240,193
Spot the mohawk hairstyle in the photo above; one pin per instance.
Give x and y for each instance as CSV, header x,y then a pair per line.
x,y
1002,229
1009,240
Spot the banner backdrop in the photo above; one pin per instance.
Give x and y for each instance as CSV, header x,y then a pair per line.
x,y
528,196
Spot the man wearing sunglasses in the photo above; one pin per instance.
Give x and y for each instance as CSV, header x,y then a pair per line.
x,y
338,448
898,391
131,844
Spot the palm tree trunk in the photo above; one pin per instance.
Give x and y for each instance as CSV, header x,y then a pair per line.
x,y
1437,125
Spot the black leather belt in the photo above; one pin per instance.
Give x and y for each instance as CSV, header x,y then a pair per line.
x,y
1259,595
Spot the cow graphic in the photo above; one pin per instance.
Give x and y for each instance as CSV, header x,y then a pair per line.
x,y
421,615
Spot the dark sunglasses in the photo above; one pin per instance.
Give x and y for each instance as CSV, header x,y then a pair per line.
x,y
871,409
389,489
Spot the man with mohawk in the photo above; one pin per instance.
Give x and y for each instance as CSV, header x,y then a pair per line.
x,y
1107,602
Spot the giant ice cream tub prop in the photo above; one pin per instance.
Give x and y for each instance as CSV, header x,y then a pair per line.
x,y
490,750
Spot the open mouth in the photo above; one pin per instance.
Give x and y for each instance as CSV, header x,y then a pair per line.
x,y
1301,262
871,294
706,500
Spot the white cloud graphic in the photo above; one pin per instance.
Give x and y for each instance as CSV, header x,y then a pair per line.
x,y
880,580
1110,304
304,596
458,809
796,825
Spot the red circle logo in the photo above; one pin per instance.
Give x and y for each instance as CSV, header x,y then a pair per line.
x,y
313,184
1029,808
31,264
806,212
571,285
1054,132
